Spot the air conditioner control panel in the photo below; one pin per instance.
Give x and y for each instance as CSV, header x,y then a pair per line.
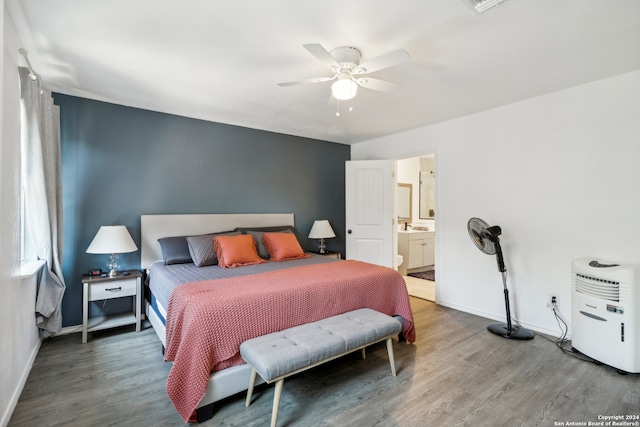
x,y
615,309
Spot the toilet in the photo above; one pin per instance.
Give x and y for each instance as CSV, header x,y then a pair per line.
x,y
399,260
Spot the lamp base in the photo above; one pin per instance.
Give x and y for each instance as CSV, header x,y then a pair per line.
x,y
322,248
113,265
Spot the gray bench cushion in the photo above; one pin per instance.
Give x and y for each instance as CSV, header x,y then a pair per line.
x,y
280,353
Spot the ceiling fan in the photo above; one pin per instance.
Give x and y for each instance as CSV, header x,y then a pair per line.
x,y
348,73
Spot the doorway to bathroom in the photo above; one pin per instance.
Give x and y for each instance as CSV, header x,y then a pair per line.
x,y
416,211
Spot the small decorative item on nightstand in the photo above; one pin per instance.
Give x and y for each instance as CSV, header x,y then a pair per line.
x,y
321,229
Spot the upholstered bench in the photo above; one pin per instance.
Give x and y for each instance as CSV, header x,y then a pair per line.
x,y
281,354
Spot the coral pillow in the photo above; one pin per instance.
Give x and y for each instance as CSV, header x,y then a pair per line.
x,y
236,251
201,248
283,246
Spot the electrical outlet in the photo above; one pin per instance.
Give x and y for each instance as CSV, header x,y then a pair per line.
x,y
553,301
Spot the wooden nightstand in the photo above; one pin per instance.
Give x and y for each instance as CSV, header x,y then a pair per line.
x,y
336,255
127,283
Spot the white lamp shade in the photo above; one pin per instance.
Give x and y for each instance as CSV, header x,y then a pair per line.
x,y
112,239
344,89
321,229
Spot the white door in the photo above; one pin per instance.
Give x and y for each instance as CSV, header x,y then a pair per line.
x,y
369,211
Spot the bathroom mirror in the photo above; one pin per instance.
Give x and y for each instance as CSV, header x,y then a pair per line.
x,y
403,202
427,195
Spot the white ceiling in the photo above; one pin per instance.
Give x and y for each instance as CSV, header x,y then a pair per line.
x,y
221,61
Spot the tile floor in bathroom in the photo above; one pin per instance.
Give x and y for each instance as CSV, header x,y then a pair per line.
x,y
424,289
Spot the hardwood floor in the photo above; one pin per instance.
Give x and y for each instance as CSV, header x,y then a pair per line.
x,y
456,373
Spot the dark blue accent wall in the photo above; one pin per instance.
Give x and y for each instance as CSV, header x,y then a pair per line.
x,y
120,162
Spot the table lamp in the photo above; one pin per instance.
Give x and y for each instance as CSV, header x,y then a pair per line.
x,y
112,240
321,229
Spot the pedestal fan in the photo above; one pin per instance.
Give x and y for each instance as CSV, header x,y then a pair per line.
x,y
486,239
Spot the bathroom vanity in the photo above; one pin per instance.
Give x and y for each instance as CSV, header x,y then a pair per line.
x,y
417,250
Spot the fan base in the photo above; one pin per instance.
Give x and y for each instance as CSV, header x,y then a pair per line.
x,y
346,55
517,332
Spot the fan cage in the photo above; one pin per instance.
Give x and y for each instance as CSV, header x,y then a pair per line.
x,y
596,287
476,227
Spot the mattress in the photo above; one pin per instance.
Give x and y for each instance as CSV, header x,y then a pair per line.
x,y
163,279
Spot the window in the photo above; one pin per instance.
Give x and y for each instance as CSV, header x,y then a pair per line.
x,y
27,247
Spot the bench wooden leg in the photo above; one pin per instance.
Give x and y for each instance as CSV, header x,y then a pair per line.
x,y
276,401
392,361
363,353
252,383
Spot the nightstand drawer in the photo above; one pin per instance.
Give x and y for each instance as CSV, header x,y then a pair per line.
x,y
112,289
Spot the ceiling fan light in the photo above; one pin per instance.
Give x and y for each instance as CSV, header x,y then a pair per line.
x,y
344,89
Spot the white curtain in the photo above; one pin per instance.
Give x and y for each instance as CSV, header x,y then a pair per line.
x,y
43,196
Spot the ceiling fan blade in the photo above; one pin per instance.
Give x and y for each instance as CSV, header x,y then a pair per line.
x,y
385,61
379,85
322,55
305,81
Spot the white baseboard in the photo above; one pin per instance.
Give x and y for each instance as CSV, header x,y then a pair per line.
x,y
500,318
70,330
78,328
15,397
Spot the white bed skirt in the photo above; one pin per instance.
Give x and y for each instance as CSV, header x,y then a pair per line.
x,y
222,384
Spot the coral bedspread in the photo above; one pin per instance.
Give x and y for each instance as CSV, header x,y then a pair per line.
x,y
207,321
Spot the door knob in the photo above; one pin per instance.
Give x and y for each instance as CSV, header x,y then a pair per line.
x,y
348,231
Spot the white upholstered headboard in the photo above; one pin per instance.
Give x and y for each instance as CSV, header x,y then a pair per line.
x,y
154,227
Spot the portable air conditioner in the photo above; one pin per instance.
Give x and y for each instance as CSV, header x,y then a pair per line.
x,y
605,312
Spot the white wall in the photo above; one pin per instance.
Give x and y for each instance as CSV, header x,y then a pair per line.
x,y
560,173
18,334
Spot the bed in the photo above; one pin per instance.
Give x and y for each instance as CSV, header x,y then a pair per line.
x,y
201,311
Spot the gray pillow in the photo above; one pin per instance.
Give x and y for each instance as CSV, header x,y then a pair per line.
x,y
175,250
201,248
257,237
272,228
